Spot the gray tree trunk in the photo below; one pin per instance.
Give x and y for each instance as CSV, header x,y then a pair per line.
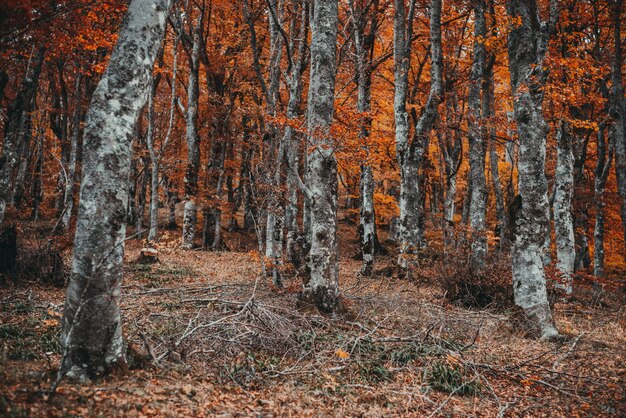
x,y
155,156
364,32
407,227
409,155
527,46
92,338
451,145
477,147
563,221
17,122
292,138
490,138
274,230
68,196
190,213
321,287
617,111
603,166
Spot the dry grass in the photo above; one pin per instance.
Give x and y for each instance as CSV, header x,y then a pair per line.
x,y
220,341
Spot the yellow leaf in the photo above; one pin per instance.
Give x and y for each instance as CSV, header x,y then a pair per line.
x,y
50,322
53,313
342,354
452,359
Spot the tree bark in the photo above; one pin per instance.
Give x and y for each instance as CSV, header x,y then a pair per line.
x,y
603,166
321,287
364,18
407,228
92,338
477,148
410,155
292,139
617,111
527,46
155,156
190,213
563,221
68,195
17,123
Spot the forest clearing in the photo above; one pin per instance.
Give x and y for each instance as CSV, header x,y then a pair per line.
x,y
312,208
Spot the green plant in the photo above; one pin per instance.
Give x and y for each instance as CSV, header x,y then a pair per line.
x,y
451,379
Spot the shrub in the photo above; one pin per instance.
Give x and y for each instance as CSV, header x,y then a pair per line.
x,y
468,286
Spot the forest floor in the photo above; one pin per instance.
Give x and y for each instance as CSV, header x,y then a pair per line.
x,y
217,340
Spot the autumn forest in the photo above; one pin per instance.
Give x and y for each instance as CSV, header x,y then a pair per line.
x,y
312,208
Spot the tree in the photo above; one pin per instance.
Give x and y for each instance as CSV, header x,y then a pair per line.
x,y
603,166
527,47
410,153
477,146
92,338
365,24
617,111
17,130
321,287
563,222
190,215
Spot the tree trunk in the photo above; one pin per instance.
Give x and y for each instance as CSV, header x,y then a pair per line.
x,y
68,195
451,145
292,138
37,183
142,193
321,287
617,111
477,148
527,45
603,166
563,221
581,206
490,138
25,154
17,122
364,47
59,125
407,227
190,214
92,328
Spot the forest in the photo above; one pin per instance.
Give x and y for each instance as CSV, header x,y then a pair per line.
x,y
312,208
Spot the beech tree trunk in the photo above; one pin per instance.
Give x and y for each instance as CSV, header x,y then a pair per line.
x,y
292,139
321,286
364,46
408,225
477,148
563,220
451,145
17,123
274,230
490,137
68,195
581,210
527,46
155,157
92,338
617,112
190,213
603,166
410,155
